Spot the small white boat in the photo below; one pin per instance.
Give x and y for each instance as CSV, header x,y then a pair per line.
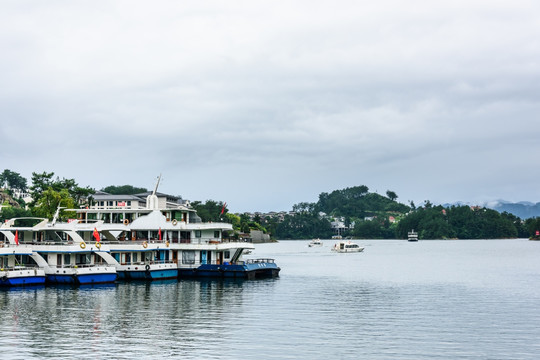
x,y
412,236
17,266
346,247
315,242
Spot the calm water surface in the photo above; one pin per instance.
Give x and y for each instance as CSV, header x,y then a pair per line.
x,y
396,300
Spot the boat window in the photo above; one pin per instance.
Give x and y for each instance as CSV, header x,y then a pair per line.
x,y
185,237
227,254
67,259
188,257
82,259
197,233
216,234
141,235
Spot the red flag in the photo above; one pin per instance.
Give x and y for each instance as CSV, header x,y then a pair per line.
x,y
17,237
223,209
159,234
96,235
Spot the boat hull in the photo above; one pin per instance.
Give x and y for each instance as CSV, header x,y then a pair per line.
x,y
232,271
349,250
158,274
22,280
82,276
85,279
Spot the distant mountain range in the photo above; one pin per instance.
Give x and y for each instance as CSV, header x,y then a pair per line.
x,y
522,209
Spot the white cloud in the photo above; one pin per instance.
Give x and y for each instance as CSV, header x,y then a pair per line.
x,y
265,104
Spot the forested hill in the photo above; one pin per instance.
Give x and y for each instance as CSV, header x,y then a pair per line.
x,y
373,216
357,202
364,214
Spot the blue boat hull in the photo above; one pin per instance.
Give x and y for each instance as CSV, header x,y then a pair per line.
x,y
23,281
82,279
160,274
247,271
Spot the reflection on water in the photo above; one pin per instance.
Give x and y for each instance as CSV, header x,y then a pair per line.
x,y
432,299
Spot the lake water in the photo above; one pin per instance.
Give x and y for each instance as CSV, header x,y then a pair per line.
x,y
397,300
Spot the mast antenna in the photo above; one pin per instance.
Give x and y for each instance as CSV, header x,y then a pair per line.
x,y
157,184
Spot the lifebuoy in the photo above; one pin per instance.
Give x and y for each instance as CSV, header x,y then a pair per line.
x,y
174,222
98,245
83,245
147,267
145,244
126,221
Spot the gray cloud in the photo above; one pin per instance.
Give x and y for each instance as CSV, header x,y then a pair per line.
x,y
264,105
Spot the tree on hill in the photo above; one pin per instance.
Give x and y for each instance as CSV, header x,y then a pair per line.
x,y
532,225
357,202
303,225
49,202
124,190
462,222
10,212
210,210
373,229
391,195
11,180
48,192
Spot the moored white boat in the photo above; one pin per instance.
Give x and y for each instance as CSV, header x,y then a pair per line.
x,y
17,268
60,250
347,247
165,240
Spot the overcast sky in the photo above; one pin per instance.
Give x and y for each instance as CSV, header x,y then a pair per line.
x,y
266,104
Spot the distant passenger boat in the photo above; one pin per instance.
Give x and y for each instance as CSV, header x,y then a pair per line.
x,y
412,236
315,242
346,247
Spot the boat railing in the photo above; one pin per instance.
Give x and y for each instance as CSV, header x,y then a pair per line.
x,y
77,266
19,267
260,261
152,262
198,241
213,262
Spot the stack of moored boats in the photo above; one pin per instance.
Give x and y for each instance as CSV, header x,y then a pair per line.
x,y
106,243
